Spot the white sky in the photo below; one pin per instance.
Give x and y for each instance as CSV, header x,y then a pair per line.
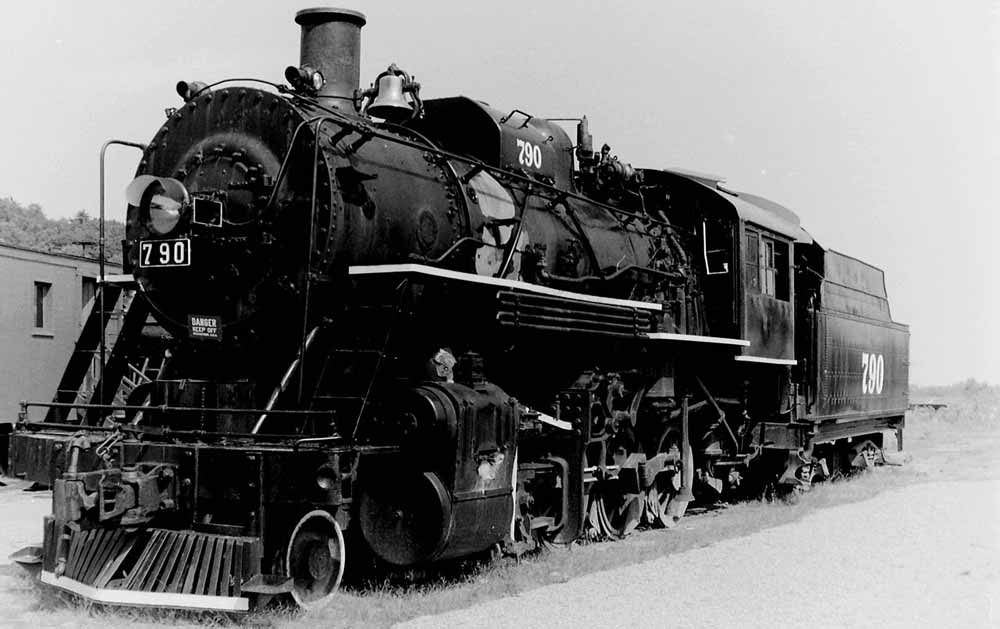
x,y
877,121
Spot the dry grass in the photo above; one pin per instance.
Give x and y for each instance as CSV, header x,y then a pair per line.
x,y
960,441
384,607
53,608
970,405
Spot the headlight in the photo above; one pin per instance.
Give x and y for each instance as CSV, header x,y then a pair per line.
x,y
160,198
305,79
317,80
164,213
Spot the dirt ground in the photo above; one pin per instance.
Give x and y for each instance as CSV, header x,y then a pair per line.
x,y
917,545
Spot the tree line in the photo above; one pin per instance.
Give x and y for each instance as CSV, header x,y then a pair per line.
x,y
27,226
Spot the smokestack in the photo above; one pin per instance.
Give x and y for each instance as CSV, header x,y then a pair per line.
x,y
331,43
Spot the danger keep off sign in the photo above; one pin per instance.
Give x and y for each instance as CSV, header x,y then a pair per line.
x,y
204,327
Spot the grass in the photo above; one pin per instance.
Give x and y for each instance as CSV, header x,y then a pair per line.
x,y
949,443
960,441
970,404
50,607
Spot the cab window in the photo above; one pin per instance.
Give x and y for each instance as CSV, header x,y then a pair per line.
x,y
767,270
751,256
716,246
765,261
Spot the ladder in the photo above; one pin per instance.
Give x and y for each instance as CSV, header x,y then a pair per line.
x,y
148,371
73,386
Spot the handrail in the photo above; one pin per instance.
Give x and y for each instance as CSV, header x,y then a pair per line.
x,y
100,248
164,432
369,130
285,380
167,408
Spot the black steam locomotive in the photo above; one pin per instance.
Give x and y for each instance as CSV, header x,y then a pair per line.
x,y
363,327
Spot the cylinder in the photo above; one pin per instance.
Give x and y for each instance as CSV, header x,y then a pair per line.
x,y
331,43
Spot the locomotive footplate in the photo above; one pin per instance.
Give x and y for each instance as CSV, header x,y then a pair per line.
x,y
795,435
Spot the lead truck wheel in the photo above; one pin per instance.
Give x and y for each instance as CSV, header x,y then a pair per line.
x,y
315,558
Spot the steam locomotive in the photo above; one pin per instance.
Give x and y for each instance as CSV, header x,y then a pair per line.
x,y
363,327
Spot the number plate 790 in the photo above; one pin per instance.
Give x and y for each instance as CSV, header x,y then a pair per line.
x,y
160,253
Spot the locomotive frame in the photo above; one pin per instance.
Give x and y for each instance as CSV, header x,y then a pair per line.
x,y
401,331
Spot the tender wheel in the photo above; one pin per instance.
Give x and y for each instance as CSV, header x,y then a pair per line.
x,y
315,558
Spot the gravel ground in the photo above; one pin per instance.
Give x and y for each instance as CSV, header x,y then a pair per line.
x,y
923,556
920,553
21,516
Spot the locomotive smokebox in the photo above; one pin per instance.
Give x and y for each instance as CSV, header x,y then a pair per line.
x,y
331,43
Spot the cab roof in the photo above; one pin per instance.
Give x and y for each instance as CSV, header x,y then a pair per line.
x,y
749,207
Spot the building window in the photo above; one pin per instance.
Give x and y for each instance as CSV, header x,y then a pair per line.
x,y
88,289
43,305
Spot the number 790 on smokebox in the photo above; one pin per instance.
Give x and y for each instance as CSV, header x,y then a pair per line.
x,y
164,253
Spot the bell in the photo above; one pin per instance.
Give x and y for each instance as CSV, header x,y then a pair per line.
x,y
390,103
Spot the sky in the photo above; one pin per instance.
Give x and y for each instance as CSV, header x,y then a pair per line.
x,y
878,122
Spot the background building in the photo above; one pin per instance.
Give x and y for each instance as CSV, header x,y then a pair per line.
x,y
45,300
